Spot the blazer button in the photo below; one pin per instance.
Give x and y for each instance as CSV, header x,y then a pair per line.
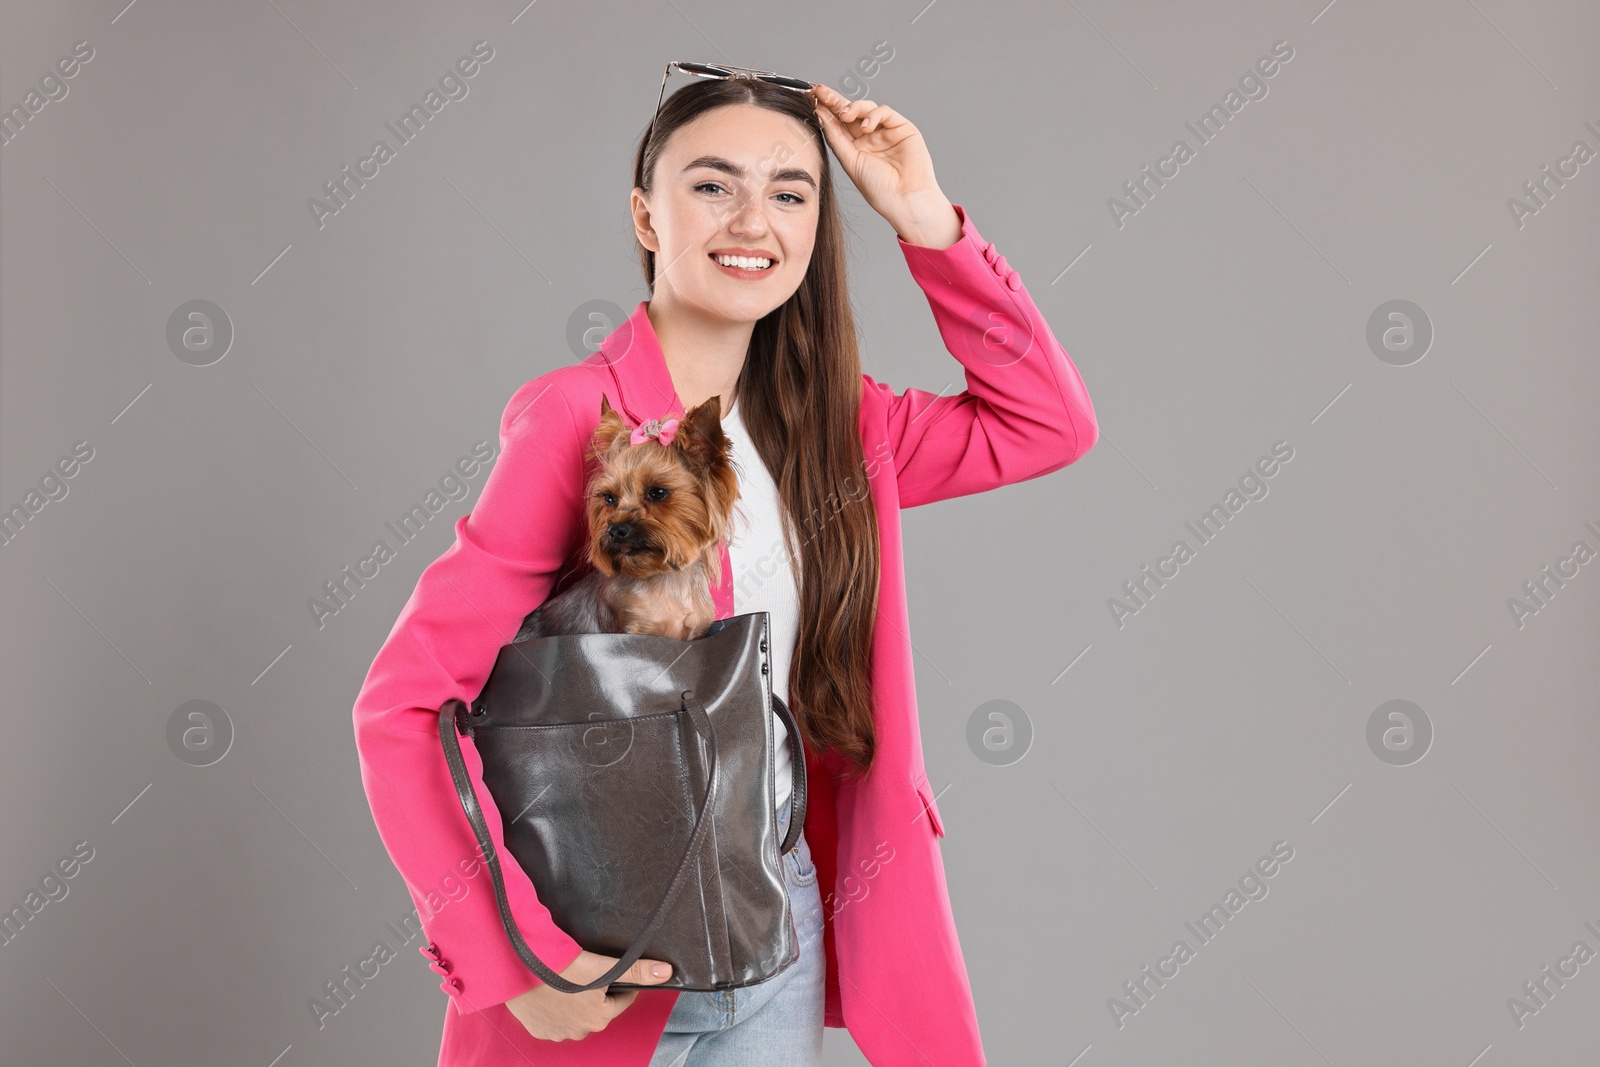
x,y
439,968
988,251
451,986
1014,280
1001,266
430,949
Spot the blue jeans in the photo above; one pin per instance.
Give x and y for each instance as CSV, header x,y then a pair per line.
x,y
777,1023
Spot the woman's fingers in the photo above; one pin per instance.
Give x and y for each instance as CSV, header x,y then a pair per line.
x,y
840,139
617,1003
828,96
880,117
861,116
644,971
865,135
854,111
830,105
842,108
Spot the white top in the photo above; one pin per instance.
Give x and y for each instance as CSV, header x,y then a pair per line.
x,y
764,575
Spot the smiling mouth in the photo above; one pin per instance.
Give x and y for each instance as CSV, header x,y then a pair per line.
x,y
743,266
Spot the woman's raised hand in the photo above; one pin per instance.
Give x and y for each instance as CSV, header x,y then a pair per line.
x,y
887,159
552,1015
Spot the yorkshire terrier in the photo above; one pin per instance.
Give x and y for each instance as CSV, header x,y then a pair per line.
x,y
661,499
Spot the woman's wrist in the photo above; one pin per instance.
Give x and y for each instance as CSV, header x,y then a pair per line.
x,y
928,220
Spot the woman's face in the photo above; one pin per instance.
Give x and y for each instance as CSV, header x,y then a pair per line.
x,y
738,181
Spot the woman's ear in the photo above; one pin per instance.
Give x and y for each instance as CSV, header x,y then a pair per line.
x,y
639,205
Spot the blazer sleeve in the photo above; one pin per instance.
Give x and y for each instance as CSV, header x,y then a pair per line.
x,y
467,604
1025,410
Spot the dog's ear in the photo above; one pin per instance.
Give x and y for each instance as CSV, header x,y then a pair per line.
x,y
611,426
700,435
709,452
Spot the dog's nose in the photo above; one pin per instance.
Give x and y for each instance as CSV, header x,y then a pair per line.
x,y
621,531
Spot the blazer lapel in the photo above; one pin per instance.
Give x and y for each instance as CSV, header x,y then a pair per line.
x,y
633,355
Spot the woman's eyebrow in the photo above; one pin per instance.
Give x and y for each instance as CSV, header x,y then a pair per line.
x,y
727,166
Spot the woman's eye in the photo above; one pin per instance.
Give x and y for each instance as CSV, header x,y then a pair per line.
x,y
656,493
794,198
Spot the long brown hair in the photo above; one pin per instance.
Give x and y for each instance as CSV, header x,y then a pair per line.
x,y
800,397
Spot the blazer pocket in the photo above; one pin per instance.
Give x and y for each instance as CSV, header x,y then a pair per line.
x,y
925,793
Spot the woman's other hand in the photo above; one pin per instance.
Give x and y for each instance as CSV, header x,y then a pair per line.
x,y
552,1015
887,159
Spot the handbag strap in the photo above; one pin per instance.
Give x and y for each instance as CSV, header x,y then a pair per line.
x,y
797,789
454,710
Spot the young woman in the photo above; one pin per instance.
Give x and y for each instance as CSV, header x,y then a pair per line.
x,y
739,166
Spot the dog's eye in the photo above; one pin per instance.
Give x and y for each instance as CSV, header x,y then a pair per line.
x,y
656,494
610,499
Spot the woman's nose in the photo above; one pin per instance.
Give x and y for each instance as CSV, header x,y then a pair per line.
x,y
747,213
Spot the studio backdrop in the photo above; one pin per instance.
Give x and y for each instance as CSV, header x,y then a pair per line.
x,y
1264,733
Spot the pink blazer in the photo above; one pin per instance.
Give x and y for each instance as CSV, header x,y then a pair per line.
x,y
895,974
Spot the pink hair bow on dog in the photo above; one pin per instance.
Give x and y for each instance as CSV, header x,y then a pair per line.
x,y
663,432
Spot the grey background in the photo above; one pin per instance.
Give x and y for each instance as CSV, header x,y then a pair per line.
x,y
1228,314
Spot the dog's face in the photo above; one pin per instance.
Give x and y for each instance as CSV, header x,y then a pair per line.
x,y
653,507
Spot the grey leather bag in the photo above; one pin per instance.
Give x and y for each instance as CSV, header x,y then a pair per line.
x,y
634,777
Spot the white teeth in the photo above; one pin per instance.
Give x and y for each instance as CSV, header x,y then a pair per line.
x,y
745,262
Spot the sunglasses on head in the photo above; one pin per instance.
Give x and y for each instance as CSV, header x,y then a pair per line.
x,y
723,70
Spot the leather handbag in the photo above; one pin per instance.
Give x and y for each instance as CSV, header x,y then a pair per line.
x,y
634,777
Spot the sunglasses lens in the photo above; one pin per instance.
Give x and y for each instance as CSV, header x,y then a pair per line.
x,y
704,70
788,83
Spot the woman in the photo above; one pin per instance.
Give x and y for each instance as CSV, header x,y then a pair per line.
x,y
739,166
